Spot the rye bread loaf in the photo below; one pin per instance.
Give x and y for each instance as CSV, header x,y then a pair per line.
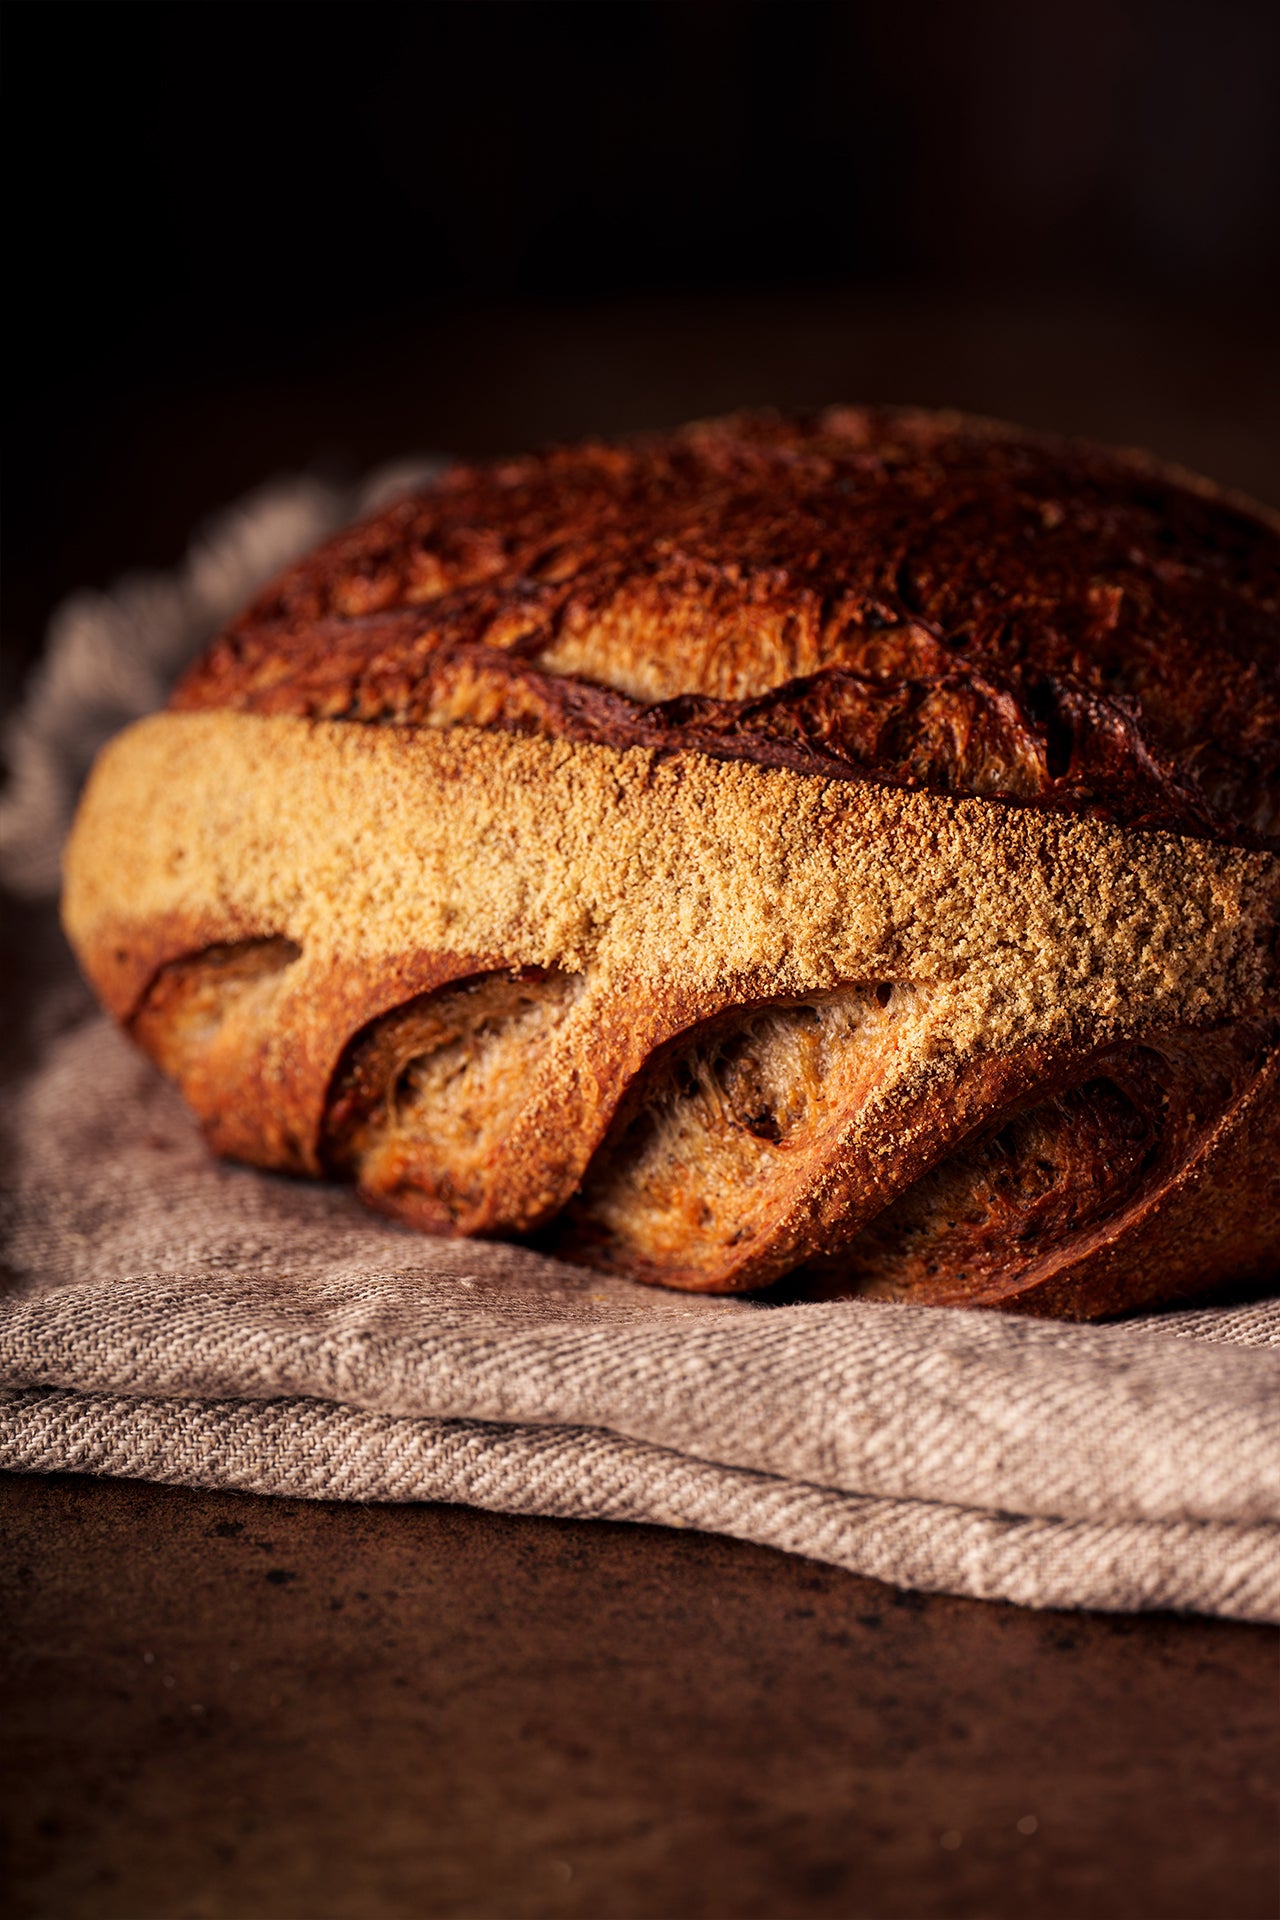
x,y
840,854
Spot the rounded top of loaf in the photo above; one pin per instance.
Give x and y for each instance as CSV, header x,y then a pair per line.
x,y
917,597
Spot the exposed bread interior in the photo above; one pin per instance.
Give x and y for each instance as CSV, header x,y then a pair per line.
x,y
426,1097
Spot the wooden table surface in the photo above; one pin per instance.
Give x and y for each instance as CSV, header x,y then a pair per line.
x,y
225,1706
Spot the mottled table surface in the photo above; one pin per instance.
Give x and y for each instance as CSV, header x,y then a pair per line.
x,y
225,1706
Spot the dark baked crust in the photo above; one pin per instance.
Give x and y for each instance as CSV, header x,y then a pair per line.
x,y
913,598
901,600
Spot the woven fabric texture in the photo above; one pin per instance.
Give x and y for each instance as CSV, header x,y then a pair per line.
x,y
172,1318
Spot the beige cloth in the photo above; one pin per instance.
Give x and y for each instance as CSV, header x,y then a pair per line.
x,y
171,1318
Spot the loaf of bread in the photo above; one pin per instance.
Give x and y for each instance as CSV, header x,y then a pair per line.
x,y
837,854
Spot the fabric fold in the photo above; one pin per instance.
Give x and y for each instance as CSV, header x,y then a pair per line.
x,y
885,1401
308,1449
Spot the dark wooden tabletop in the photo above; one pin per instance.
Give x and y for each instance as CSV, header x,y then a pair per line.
x,y
226,1706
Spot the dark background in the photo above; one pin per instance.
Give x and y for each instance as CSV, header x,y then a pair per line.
x,y
243,238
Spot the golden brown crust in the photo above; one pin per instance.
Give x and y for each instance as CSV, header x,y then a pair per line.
x,y
1044,1212
922,599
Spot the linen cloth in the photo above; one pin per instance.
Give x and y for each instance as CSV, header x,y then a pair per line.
x,y
172,1318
